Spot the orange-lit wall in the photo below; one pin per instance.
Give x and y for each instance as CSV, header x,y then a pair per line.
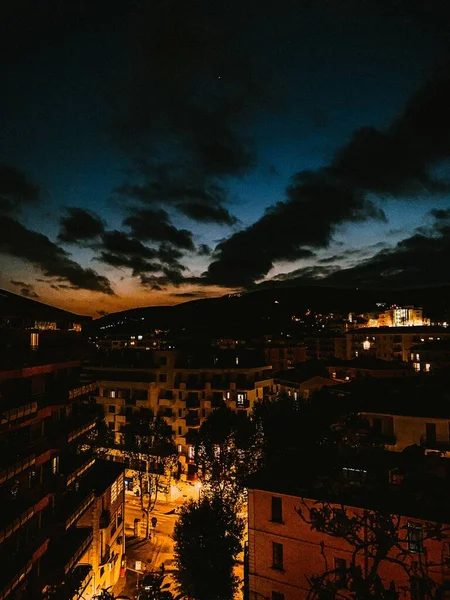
x,y
302,552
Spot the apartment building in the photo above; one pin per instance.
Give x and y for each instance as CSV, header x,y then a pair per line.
x,y
47,482
326,346
367,366
431,356
284,355
182,388
390,343
285,553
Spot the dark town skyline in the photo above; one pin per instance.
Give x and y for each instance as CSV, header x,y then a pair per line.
x,y
157,152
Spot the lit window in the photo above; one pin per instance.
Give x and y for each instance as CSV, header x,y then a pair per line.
x,y
116,489
366,345
191,452
132,343
180,448
112,393
427,367
55,465
139,337
417,357
416,366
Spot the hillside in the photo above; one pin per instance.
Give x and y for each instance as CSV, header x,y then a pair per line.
x,y
268,310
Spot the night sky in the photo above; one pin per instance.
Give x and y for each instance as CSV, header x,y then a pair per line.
x,y
157,151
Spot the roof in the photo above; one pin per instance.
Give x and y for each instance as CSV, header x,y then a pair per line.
x,y
398,330
104,473
421,492
370,363
426,396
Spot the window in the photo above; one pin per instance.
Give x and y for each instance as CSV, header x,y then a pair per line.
x,y
116,489
112,409
277,509
415,537
277,556
277,596
163,377
163,360
180,395
179,430
340,568
112,425
55,465
112,393
180,412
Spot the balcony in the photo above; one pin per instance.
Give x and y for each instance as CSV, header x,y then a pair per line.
x,y
78,426
17,511
74,504
192,401
69,550
433,444
83,390
192,421
73,466
105,519
15,413
16,567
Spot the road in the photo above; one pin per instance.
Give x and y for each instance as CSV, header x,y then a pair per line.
x,y
151,553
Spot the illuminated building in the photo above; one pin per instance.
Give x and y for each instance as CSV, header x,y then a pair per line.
x,y
49,487
399,316
285,552
182,388
390,343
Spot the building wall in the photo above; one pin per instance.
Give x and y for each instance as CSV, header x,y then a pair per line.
x,y
388,345
106,516
409,430
303,555
185,397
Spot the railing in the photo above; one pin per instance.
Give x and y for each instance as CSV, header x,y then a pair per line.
x,y
82,390
12,414
192,421
74,505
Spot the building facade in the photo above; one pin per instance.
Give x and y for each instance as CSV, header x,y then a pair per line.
x,y
46,483
181,388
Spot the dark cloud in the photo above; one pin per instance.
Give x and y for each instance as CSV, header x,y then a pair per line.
x,y
396,162
154,225
198,294
189,99
204,250
419,260
26,289
35,248
16,189
79,225
118,249
189,192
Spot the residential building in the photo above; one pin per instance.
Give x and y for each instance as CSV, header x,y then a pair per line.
x,y
390,343
285,552
46,476
398,316
182,388
302,381
430,356
284,355
367,366
326,346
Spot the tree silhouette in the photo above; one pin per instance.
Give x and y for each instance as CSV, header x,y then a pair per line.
x,y
207,539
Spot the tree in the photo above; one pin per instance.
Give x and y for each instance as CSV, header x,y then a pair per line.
x,y
207,539
372,539
151,450
227,452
